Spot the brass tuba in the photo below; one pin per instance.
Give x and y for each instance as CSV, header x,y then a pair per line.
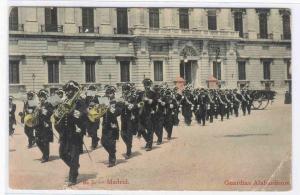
x,y
64,108
96,112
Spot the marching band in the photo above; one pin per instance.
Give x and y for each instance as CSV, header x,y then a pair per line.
x,y
74,113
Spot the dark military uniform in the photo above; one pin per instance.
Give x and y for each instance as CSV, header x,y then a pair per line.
x,y
187,107
44,133
159,117
92,127
28,109
110,131
202,101
169,119
147,117
71,129
12,117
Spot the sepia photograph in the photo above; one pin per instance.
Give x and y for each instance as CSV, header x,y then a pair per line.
x,y
150,98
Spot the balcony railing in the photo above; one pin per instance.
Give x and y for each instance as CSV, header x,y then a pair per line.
x,y
286,37
52,28
185,32
88,29
265,36
16,27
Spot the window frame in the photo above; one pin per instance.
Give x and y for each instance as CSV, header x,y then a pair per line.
x,y
218,75
92,63
242,76
184,18
154,18
129,70
11,72
120,25
58,71
267,66
162,70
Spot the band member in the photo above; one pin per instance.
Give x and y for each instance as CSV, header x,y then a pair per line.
x,y
71,128
187,105
92,127
210,107
110,127
44,133
129,115
159,113
28,108
12,117
202,102
244,101
236,102
177,96
249,101
147,118
171,108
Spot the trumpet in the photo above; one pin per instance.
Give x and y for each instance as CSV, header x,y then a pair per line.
x,y
32,119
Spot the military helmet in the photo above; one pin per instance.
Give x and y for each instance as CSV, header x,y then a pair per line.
x,y
42,93
71,85
147,82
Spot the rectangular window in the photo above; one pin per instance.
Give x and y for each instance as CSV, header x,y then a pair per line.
x,y
242,70
53,71
212,20
288,71
238,23
90,71
51,19
13,19
267,72
88,20
158,71
154,18
14,72
125,71
263,25
183,18
122,21
217,70
286,26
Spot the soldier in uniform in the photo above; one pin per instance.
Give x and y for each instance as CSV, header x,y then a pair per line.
x,y
71,129
210,107
12,117
159,113
44,133
147,118
176,96
171,108
187,104
110,127
28,108
236,102
129,116
202,102
244,101
91,100
249,101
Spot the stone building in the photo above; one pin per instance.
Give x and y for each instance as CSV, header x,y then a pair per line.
x,y
51,45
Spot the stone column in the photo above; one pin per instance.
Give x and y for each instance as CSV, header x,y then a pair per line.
x,y
224,19
275,24
69,21
31,21
105,21
252,23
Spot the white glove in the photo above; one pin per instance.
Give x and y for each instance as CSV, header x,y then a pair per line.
x,y
29,111
192,108
113,125
112,109
163,103
9,109
180,109
150,101
76,113
171,106
44,111
78,130
130,106
46,124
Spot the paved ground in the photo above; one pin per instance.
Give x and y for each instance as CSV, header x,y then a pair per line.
x,y
242,153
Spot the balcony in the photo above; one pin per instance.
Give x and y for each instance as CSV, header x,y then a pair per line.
x,y
52,28
16,27
286,36
88,29
265,36
176,32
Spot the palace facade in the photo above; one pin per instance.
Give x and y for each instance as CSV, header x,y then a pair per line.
x,y
239,47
